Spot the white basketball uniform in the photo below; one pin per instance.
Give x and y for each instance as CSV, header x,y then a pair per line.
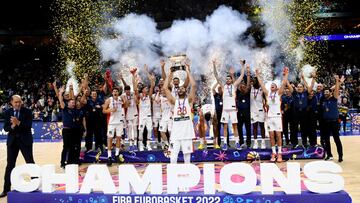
x,y
229,105
183,129
274,122
166,114
131,117
174,91
156,107
117,119
256,106
145,115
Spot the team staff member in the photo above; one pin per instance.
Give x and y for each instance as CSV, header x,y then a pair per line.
x,y
93,116
300,111
17,122
287,117
243,107
330,118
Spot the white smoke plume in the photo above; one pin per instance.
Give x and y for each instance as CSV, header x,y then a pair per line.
x,y
221,36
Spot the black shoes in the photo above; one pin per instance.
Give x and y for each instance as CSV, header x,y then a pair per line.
x,y
109,162
340,159
329,158
3,194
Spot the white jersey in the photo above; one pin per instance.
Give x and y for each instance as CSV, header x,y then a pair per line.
x,y
274,102
183,128
256,100
174,91
166,108
117,116
156,108
132,111
229,94
145,107
207,108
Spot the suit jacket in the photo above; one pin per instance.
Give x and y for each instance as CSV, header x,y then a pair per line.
x,y
21,133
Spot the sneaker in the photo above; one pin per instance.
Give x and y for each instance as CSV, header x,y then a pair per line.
x,y
148,147
224,147
62,166
273,157
340,159
263,144
217,146
329,158
109,161
97,157
279,158
243,146
120,158
255,145
238,147
141,147
201,147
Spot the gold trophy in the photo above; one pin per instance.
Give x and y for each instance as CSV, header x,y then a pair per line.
x,y
178,66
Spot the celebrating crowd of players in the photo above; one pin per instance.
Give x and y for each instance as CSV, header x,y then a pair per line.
x,y
135,112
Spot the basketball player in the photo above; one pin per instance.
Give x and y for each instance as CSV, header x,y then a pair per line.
x,y
207,114
274,122
145,119
257,113
115,106
131,119
182,132
229,105
156,113
166,117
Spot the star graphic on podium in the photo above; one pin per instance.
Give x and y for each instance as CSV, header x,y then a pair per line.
x,y
221,156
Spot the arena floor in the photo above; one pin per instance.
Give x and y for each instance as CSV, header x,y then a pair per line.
x,y
46,153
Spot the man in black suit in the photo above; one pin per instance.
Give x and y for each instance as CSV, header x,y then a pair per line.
x,y
17,122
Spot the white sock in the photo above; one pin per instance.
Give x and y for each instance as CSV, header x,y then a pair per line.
x,y
187,158
279,150
237,139
225,140
273,150
263,141
117,150
148,143
201,140
109,153
131,142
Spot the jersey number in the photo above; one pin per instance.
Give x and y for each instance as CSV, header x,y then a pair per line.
x,y
181,110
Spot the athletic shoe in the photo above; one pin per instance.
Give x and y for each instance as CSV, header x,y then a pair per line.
x,y
340,159
263,144
120,158
148,147
329,158
109,161
97,157
273,157
217,146
243,146
237,145
201,147
279,158
141,147
255,145
224,147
